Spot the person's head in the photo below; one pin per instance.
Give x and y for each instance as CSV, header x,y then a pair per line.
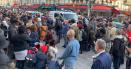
x,y
28,30
72,21
21,29
34,28
100,45
129,27
52,43
71,34
119,32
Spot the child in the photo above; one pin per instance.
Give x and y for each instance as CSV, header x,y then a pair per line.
x,y
41,58
52,56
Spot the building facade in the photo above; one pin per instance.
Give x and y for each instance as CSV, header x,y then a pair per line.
x,y
118,4
23,2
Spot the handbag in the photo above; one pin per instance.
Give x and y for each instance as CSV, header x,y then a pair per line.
x,y
30,61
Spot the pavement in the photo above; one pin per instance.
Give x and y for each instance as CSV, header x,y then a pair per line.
x,y
84,60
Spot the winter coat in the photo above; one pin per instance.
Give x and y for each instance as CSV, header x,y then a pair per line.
x,y
4,60
43,32
85,35
71,53
20,42
34,38
77,31
65,29
102,61
41,60
12,31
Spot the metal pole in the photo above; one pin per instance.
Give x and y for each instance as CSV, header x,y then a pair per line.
x,y
89,2
21,2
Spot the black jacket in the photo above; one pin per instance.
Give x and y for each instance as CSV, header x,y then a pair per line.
x,y
20,42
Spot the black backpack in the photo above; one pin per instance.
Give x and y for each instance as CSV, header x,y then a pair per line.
x,y
59,24
118,48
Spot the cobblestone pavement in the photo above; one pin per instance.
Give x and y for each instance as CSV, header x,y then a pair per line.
x,y
84,61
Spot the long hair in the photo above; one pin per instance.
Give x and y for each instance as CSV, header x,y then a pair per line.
x,y
34,28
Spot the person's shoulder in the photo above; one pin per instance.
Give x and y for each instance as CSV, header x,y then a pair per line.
x,y
97,63
103,55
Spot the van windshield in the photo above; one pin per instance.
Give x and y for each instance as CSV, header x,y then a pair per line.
x,y
70,16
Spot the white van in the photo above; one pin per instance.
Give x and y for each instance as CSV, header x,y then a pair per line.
x,y
34,13
66,15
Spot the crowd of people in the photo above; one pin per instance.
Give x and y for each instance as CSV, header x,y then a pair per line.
x,y
30,41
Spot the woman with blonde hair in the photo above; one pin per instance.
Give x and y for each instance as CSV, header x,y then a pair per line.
x,y
34,35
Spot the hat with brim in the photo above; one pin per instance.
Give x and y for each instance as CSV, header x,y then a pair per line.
x,y
3,42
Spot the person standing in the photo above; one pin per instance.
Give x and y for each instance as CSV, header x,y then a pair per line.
x,y
21,43
4,59
34,35
118,50
102,60
43,32
128,35
52,55
71,52
11,33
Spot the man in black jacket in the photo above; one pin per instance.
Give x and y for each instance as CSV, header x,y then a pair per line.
x,y
21,43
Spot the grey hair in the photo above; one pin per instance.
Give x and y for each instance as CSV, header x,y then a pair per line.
x,y
101,43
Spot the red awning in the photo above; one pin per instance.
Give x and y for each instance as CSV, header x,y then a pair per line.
x,y
73,7
101,8
95,7
115,11
35,6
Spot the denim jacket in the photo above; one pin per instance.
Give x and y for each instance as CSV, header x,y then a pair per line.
x,y
71,53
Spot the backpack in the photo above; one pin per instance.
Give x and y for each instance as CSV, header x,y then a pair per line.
x,y
44,49
58,24
30,60
85,35
118,48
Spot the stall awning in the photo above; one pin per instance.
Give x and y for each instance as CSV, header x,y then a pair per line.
x,y
72,7
35,6
101,8
115,11
94,7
